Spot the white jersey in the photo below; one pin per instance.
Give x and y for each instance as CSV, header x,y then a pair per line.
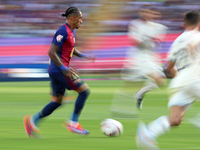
x,y
146,32
142,61
184,50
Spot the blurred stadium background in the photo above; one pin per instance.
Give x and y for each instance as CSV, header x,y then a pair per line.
x,y
27,27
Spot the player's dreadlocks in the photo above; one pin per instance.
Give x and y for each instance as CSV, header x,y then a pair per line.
x,y
70,11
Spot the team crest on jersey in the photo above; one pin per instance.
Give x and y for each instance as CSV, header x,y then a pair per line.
x,y
59,38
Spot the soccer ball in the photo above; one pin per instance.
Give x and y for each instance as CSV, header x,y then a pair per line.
x,y
111,127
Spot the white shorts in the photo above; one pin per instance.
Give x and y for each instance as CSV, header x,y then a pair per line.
x,y
143,63
147,67
185,96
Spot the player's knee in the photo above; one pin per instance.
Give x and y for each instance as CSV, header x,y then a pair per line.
x,y
175,121
59,98
161,82
176,116
58,101
84,87
87,92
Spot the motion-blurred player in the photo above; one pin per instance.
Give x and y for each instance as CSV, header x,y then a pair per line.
x,y
62,76
144,61
185,86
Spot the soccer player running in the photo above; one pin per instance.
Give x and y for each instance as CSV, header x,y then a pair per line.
x,y
147,34
62,76
185,54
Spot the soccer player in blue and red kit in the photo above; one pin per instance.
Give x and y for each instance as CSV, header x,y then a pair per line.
x,y
62,76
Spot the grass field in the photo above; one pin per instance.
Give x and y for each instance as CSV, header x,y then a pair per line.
x,y
20,98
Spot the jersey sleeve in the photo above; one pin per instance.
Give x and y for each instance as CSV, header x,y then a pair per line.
x,y
60,37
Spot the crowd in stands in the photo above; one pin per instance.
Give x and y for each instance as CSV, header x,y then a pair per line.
x,y
41,18
21,18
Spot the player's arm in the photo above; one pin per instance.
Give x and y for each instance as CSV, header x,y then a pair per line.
x,y
54,57
53,54
160,32
172,56
134,33
81,55
171,67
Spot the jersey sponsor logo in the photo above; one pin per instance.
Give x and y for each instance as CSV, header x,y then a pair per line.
x,y
59,38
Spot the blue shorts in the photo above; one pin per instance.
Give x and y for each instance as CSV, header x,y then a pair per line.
x,y
60,82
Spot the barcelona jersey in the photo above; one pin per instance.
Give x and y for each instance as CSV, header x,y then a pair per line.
x,y
64,38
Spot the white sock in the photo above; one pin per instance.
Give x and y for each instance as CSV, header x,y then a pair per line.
x,y
74,124
145,89
158,127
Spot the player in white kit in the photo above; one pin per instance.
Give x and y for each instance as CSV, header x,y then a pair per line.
x,y
185,86
143,59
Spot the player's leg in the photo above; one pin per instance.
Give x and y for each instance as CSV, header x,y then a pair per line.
x,y
58,91
176,115
65,99
147,134
47,110
31,122
154,81
122,102
178,104
83,91
195,91
147,67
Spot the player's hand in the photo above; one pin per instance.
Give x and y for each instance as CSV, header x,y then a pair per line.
x,y
66,71
92,57
71,70
167,73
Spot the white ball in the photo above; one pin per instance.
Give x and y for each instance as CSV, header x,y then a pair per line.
x,y
111,127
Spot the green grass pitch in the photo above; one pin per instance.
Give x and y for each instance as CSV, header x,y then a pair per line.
x,y
20,98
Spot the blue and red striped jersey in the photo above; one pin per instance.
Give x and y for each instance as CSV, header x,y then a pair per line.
x,y
64,38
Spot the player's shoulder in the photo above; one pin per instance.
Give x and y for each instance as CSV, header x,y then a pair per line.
x,y
194,38
62,29
134,22
158,25
177,42
60,34
181,38
195,35
187,36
